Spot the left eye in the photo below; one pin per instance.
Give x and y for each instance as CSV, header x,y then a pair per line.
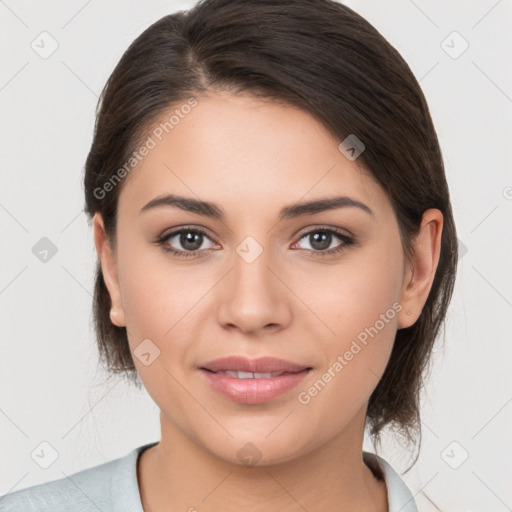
x,y
321,240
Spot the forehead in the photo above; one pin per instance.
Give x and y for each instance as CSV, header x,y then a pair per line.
x,y
241,151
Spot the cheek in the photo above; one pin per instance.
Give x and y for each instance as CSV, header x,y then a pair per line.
x,y
353,294
158,296
154,287
359,302
158,300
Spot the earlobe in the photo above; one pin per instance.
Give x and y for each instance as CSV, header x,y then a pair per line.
x,y
426,250
116,318
109,270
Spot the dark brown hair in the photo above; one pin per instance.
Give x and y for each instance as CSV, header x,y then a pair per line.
x,y
322,57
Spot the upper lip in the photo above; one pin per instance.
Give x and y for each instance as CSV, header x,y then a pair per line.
x,y
260,365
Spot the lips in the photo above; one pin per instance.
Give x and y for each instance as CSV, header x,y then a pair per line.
x,y
260,365
253,381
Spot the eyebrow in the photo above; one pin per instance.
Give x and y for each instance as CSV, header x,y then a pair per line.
x,y
208,209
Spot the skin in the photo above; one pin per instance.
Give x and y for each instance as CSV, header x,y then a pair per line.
x,y
252,158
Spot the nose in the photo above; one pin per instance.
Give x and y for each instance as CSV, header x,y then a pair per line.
x,y
253,298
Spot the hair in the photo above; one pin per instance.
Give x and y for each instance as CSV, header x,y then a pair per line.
x,y
324,58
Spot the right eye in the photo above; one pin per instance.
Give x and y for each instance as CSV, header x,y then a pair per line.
x,y
190,239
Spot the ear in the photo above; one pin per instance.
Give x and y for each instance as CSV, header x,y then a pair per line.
x,y
109,269
420,272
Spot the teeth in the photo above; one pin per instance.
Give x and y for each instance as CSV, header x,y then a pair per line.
x,y
250,375
244,375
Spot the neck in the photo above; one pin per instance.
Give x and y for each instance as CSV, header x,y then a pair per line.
x,y
178,474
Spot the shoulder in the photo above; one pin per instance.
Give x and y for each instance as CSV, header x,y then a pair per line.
x,y
92,489
83,489
400,497
86,490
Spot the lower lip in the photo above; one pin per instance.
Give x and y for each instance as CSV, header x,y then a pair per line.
x,y
253,391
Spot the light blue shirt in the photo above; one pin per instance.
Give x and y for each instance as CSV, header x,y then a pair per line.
x,y
113,487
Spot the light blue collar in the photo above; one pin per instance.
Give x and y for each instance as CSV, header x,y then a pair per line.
x,y
126,495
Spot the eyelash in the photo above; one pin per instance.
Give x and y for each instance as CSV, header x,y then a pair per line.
x,y
347,241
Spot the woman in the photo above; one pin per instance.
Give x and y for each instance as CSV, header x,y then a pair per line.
x,y
276,252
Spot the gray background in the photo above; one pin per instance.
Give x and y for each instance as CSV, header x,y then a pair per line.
x,y
51,390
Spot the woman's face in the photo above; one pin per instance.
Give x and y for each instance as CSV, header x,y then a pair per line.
x,y
257,284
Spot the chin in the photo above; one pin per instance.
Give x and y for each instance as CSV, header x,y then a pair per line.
x,y
257,449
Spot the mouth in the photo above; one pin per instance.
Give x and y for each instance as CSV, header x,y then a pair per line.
x,y
248,375
253,381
